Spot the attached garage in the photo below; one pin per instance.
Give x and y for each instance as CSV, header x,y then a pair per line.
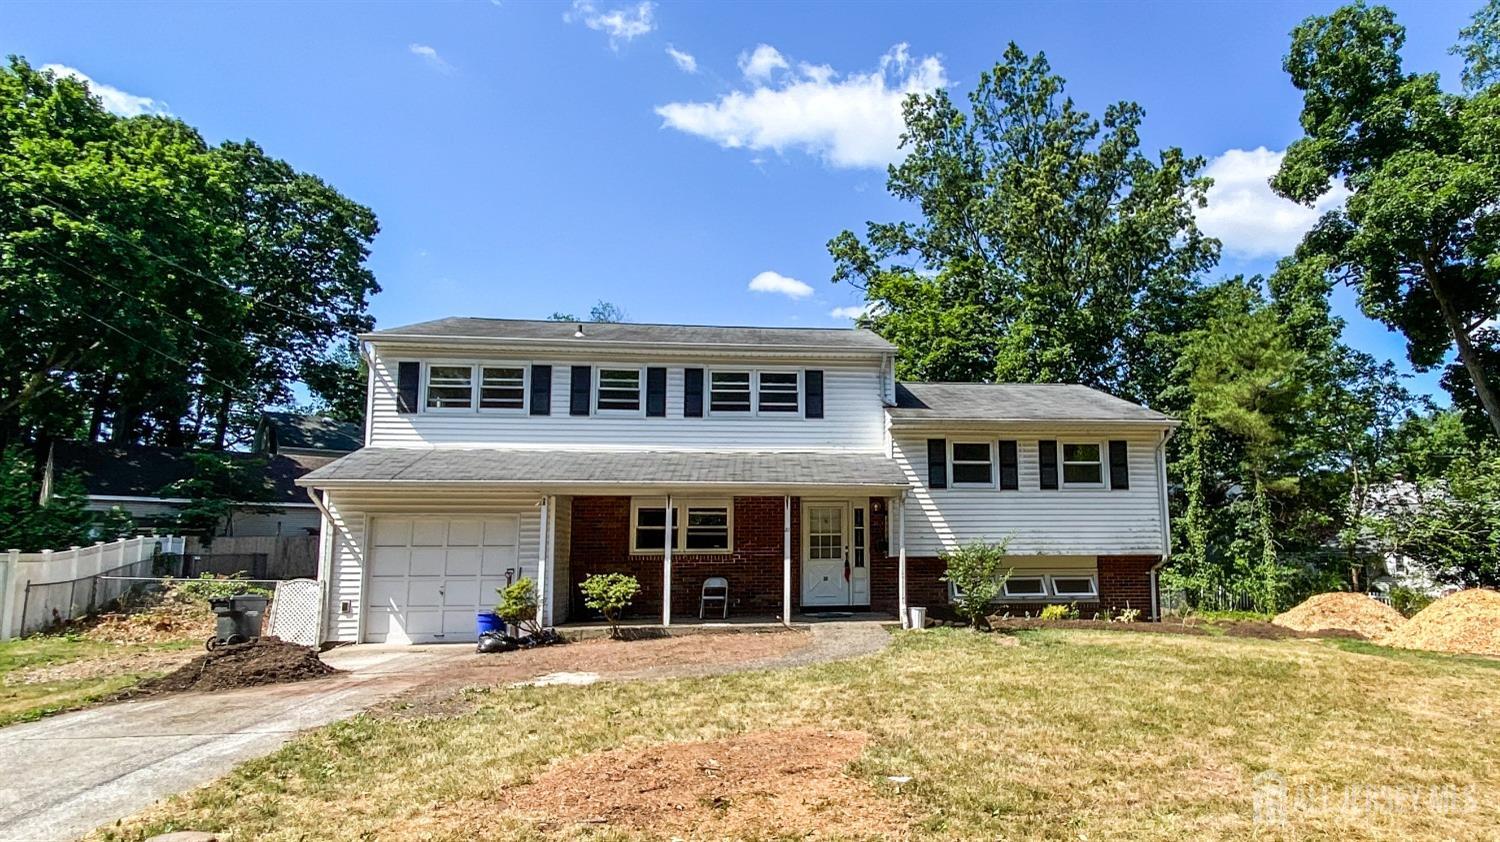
x,y
428,576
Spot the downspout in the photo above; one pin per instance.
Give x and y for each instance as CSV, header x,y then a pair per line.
x,y
1166,522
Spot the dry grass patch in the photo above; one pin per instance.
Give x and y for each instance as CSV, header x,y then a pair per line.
x,y
1073,734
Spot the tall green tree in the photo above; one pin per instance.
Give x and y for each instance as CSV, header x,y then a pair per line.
x,y
1048,246
1420,236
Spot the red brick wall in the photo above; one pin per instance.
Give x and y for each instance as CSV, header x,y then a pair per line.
x,y
601,544
1125,582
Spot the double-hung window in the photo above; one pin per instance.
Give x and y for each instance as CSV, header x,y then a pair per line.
x,y
698,526
729,391
973,464
619,390
450,386
1082,464
779,391
502,387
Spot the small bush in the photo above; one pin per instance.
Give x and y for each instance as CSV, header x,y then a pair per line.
x,y
977,572
609,594
1408,601
1127,615
518,606
209,586
1059,612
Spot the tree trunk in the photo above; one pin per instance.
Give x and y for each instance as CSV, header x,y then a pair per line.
x,y
1466,353
221,422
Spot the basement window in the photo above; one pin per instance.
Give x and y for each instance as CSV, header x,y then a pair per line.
x,y
1074,587
1026,587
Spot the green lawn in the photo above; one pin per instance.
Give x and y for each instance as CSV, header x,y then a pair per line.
x,y
86,671
1071,735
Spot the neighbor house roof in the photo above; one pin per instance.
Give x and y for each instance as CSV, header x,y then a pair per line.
x,y
522,331
637,468
1019,402
310,432
112,470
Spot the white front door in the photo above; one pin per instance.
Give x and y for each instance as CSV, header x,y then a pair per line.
x,y
429,576
826,572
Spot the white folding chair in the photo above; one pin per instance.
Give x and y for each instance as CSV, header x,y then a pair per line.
x,y
714,588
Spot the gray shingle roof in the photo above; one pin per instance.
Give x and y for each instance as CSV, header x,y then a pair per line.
x,y
313,432
527,331
1014,402
135,470
570,467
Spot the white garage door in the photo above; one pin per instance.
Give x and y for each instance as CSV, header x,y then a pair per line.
x,y
428,576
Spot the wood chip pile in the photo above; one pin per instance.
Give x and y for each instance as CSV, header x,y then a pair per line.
x,y
1354,613
1466,623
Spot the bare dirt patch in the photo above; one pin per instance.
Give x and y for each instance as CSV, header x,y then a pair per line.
x,y
266,660
1467,622
158,619
1348,612
766,784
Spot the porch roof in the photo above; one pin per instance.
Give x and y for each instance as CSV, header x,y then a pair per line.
x,y
556,468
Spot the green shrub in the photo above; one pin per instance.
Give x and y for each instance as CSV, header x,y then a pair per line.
x,y
977,572
1059,612
609,594
210,586
518,605
1408,601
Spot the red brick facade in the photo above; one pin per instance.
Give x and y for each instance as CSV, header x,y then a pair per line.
x,y
601,544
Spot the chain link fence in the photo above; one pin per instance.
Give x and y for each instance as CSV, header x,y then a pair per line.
x,y
52,604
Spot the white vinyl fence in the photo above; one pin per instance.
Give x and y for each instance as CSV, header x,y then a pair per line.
x,y
39,589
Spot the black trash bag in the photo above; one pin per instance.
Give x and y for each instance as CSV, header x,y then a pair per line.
x,y
545,637
494,642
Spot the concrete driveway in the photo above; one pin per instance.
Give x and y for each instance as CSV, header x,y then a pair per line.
x,y
68,774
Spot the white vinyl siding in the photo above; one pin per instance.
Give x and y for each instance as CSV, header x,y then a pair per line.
x,y
854,416
1089,521
353,510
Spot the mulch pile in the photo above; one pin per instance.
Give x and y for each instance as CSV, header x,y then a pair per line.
x,y
1355,614
1466,623
267,660
768,784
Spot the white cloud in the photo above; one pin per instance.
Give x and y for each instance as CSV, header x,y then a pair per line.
x,y
430,55
850,121
1246,216
685,61
623,24
853,311
115,100
779,284
764,60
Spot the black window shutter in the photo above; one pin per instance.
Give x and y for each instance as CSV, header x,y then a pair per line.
x,y
408,385
579,388
937,463
812,394
541,390
1010,469
1119,465
1046,454
656,392
692,392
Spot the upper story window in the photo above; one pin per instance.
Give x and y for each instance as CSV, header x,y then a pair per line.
x,y
973,464
450,387
502,387
779,391
619,390
1082,464
729,391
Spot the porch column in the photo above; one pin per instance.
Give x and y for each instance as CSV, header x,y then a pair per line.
x,y
901,557
786,561
543,585
666,567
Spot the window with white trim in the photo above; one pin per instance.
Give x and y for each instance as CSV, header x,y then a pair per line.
x,y
729,391
1082,464
450,386
779,391
699,526
1073,587
502,387
619,390
973,464
1025,587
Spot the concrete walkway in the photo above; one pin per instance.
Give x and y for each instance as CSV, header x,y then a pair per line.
x,y
68,774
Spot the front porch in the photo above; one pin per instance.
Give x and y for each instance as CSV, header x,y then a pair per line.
x,y
641,628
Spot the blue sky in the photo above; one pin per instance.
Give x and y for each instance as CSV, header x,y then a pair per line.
x,y
530,157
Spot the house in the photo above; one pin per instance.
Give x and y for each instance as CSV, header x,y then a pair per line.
x,y
793,462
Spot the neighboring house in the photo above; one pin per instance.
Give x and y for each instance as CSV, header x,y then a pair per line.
x,y
796,465
306,435
132,478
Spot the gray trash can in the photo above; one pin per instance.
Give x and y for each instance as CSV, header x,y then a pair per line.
x,y
237,618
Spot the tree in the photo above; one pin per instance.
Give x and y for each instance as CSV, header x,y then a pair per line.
x,y
219,483
1420,235
609,594
1048,246
601,312
977,572
29,525
338,381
